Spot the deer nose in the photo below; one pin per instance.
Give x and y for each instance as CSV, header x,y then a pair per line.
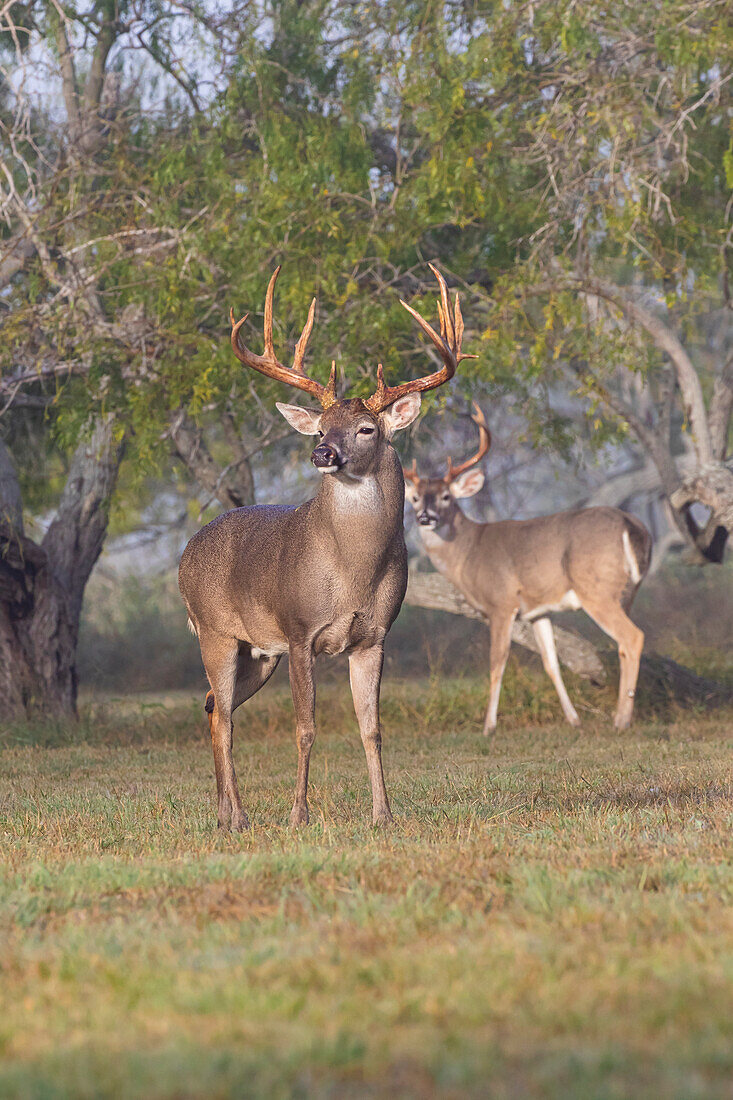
x,y
325,456
426,519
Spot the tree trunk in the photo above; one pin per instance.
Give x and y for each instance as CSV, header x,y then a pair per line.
x,y
711,486
42,587
37,634
432,591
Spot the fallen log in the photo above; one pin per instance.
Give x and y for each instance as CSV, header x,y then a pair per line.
x,y
433,592
661,678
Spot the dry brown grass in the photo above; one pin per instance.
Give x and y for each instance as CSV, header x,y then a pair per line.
x,y
550,915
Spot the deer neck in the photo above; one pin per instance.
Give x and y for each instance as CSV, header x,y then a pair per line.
x,y
363,516
450,544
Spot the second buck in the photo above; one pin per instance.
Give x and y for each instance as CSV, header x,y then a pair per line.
x,y
589,558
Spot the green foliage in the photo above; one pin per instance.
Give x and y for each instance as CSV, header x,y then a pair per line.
x,y
354,142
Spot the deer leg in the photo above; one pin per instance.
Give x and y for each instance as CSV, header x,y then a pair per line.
x,y
252,674
221,658
365,677
546,641
501,640
303,690
630,641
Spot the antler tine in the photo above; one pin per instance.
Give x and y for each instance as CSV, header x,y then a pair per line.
x,y
411,474
441,318
459,326
304,338
269,347
448,344
270,365
484,443
445,317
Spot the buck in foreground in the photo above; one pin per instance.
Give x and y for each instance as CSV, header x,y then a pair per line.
x,y
589,558
326,577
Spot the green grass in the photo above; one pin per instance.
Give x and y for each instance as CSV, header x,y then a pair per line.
x,y
550,915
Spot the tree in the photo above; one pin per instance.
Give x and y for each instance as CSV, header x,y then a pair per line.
x,y
76,228
624,123
564,163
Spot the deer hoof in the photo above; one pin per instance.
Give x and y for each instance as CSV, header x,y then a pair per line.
x,y
298,816
622,722
382,819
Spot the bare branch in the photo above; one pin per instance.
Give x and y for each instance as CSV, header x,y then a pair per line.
x,y
232,486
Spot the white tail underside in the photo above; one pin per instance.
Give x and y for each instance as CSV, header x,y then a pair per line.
x,y
630,558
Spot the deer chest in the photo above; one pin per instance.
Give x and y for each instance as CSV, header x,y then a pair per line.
x,y
352,630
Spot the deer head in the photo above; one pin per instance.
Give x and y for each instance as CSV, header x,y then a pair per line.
x,y
434,499
352,431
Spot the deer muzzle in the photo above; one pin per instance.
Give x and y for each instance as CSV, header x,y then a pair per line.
x,y
328,458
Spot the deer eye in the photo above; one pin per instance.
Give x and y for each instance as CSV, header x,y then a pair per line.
x,y
445,498
366,430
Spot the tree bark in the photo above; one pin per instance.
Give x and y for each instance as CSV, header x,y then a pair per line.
x,y
721,410
42,586
712,486
37,634
434,592
11,501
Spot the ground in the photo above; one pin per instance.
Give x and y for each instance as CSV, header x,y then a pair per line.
x,y
549,916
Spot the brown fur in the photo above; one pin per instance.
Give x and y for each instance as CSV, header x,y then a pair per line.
x,y
528,567
326,577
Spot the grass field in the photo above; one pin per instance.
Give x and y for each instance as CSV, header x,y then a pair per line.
x,y
549,916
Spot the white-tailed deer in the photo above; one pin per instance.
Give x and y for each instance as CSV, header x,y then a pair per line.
x,y
589,558
326,577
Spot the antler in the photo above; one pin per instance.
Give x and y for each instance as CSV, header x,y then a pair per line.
x,y
448,344
271,366
484,444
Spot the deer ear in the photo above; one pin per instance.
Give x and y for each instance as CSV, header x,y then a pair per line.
x,y
467,484
400,414
305,421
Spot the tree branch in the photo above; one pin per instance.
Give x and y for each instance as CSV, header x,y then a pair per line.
x,y
95,79
231,489
687,377
645,479
69,84
721,408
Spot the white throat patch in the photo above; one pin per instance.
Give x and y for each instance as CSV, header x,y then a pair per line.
x,y
357,494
